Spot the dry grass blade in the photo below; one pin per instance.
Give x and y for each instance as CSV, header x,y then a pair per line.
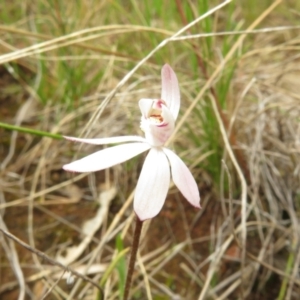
x,y
66,70
12,255
50,260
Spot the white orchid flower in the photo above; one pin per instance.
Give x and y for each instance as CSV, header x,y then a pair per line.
x,y
158,122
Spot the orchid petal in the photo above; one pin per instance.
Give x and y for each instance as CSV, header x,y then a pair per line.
x,y
152,186
107,157
110,140
183,178
170,90
145,106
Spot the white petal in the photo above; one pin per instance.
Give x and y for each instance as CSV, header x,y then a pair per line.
x,y
183,178
106,158
145,106
170,90
109,140
153,185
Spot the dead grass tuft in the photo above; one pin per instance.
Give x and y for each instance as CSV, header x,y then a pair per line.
x,y
243,244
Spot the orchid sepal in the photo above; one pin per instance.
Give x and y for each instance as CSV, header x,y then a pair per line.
x,y
170,90
183,178
153,185
109,140
107,158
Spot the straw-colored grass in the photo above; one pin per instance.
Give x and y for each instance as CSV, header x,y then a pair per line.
x,y
79,68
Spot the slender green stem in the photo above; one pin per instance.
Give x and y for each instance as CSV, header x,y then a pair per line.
x,y
108,271
134,249
30,131
288,270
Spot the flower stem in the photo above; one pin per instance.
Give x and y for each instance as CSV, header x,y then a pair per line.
x,y
134,249
31,131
